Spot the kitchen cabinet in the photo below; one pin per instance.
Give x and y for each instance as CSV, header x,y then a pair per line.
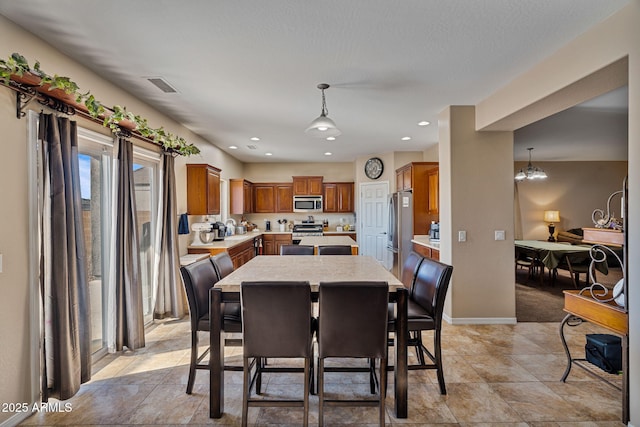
x,y
273,197
427,252
307,185
284,197
242,253
241,196
265,198
271,243
421,178
203,189
433,185
338,197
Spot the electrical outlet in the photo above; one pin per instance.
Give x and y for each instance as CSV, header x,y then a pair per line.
x,y
499,235
462,236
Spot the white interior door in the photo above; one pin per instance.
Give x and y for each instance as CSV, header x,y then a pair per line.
x,y
374,213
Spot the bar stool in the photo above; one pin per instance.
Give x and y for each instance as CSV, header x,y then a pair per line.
x,y
296,250
349,328
277,324
334,250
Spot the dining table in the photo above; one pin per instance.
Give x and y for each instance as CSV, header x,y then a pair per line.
x,y
314,269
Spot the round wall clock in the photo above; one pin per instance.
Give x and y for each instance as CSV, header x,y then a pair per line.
x,y
373,168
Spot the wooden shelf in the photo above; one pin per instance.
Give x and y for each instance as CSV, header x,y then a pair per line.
x,y
606,314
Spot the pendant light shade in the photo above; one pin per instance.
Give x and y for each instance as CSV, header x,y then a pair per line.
x,y
323,126
530,172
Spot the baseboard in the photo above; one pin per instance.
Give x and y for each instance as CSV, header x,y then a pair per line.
x,y
16,419
480,320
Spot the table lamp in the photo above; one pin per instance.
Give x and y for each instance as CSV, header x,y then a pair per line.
x,y
551,217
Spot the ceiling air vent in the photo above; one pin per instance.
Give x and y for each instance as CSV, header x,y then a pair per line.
x,y
252,147
162,84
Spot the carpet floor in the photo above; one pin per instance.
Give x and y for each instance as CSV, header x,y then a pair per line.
x,y
543,302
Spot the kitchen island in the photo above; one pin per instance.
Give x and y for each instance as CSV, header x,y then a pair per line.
x,y
316,241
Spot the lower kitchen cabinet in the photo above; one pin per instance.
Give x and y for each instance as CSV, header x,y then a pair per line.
x,y
427,252
271,243
242,253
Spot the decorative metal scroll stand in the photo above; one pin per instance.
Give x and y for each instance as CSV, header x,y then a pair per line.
x,y
598,292
597,305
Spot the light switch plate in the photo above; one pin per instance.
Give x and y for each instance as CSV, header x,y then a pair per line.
x,y
499,235
462,236
0,263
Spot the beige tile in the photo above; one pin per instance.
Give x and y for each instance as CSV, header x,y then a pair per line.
x,y
500,368
478,402
599,400
534,401
166,404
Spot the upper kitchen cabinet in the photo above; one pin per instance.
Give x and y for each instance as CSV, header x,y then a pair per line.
x,y
307,185
203,189
241,196
273,198
422,179
433,184
338,197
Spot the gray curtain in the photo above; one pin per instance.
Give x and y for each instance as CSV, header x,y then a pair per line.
x,y
64,289
129,311
169,301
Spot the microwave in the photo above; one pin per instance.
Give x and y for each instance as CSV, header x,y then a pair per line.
x,y
307,203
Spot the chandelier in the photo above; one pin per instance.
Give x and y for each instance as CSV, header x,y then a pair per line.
x,y
530,172
323,126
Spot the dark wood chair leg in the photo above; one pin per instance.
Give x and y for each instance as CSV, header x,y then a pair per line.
x,y
193,362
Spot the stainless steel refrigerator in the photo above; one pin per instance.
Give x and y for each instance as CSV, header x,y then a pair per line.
x,y
400,231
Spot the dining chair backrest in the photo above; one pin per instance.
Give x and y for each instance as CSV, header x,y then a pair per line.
x,y
409,270
223,264
276,318
296,250
334,250
198,278
430,287
353,319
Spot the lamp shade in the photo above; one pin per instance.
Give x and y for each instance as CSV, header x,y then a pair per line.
x,y
323,127
552,216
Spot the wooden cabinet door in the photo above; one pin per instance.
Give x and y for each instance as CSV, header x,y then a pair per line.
x,y
284,198
282,239
330,197
213,187
241,196
269,244
203,189
247,194
400,180
407,178
264,198
422,250
433,182
307,185
345,197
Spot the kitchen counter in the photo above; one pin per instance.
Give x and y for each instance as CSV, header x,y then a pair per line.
x,y
424,240
316,241
223,245
329,233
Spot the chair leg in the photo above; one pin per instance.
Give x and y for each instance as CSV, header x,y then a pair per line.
x,y
437,352
417,337
320,392
193,362
260,362
307,370
372,375
383,390
246,386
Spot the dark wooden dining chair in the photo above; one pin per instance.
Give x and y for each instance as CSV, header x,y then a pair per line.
x,y
198,278
425,308
409,270
334,250
223,264
296,250
277,324
349,328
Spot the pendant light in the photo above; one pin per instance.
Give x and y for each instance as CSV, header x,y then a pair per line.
x,y
323,126
530,172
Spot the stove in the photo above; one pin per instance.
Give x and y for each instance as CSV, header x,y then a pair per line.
x,y
306,229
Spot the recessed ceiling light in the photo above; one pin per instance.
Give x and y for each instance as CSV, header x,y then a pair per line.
x,y
406,138
424,123
268,154
255,138
233,147
331,138
328,153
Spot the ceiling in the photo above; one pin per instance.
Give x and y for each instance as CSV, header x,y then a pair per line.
x,y
249,68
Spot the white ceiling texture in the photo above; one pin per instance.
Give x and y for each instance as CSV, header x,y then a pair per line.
x,y
249,68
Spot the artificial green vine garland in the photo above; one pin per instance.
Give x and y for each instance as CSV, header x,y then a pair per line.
x,y
18,65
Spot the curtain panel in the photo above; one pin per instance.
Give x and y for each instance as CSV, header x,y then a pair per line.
x,y
128,281
66,361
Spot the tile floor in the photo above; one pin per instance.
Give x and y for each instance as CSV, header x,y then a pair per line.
x,y
505,375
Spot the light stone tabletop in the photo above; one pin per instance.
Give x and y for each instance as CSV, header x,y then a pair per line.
x,y
311,268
